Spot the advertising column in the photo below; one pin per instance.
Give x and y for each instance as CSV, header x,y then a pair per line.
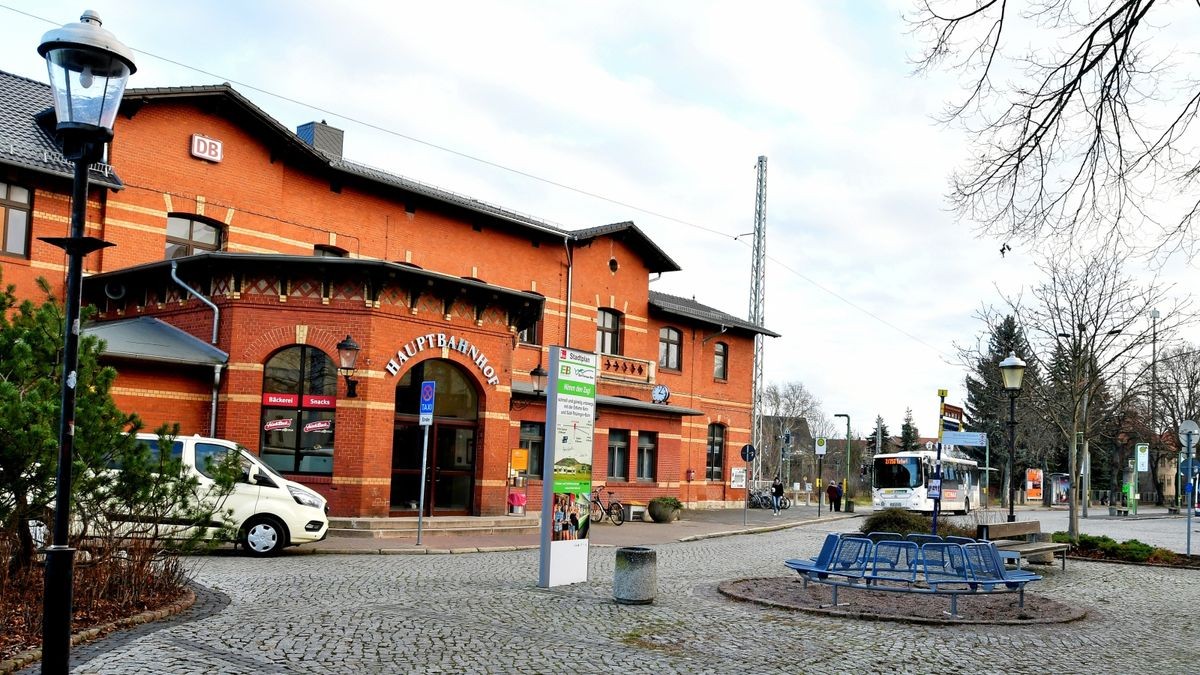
x,y
567,471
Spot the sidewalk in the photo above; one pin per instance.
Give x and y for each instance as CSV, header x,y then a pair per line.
x,y
692,526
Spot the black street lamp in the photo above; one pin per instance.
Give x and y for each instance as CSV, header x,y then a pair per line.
x,y
347,359
1012,370
88,69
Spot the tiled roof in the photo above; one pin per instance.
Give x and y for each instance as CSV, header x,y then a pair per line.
x,y
659,261
671,304
25,143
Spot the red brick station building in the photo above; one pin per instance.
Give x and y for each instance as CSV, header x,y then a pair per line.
x,y
245,253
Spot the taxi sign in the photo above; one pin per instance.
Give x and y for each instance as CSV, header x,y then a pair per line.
x,y
427,391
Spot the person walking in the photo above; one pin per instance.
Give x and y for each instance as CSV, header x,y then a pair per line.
x,y
776,494
837,496
831,495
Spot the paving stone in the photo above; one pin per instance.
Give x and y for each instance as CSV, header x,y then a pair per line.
x,y
482,612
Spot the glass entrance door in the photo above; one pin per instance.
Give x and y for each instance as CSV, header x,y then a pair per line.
x,y
450,471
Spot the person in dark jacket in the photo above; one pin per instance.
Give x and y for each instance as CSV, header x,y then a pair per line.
x,y
776,494
831,495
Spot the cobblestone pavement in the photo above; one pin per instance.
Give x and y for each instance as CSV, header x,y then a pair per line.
x,y
482,612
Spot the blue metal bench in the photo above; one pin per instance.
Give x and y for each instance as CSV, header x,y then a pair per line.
x,y
946,568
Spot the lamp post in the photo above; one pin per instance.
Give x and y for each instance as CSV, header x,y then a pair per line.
x,y
1012,371
847,505
88,69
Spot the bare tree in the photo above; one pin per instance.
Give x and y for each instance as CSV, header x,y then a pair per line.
x,y
1178,393
1086,324
1080,112
792,413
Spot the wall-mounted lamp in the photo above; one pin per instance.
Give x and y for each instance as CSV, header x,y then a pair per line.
x,y
347,357
691,475
538,375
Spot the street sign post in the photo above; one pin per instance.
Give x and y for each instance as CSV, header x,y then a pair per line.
x,y
748,453
1189,432
428,388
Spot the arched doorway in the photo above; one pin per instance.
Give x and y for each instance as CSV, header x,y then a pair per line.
x,y
451,457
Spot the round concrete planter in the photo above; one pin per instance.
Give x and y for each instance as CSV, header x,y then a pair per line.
x,y
662,513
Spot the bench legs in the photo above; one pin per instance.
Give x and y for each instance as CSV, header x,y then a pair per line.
x,y
835,602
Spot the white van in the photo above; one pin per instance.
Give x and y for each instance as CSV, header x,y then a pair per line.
x,y
269,511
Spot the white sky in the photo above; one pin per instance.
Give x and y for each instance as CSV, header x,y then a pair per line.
x,y
664,106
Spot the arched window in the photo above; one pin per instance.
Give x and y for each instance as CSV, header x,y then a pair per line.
x,y
187,236
721,361
608,332
670,346
298,409
715,464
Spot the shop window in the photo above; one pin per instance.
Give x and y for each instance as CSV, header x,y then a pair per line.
x,y
14,220
715,464
647,456
608,332
670,344
188,236
721,361
618,454
533,439
298,414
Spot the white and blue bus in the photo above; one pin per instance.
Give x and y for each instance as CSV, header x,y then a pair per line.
x,y
900,480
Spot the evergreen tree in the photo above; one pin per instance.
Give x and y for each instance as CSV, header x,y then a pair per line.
x,y
987,401
908,433
881,431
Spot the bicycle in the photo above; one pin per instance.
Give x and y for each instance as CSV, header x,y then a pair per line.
x,y
613,509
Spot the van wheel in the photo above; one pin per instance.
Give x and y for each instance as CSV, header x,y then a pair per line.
x,y
967,507
263,536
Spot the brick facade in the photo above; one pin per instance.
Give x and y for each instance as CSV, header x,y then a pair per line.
x,y
418,263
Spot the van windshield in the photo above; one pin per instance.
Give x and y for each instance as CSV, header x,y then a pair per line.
x,y
262,466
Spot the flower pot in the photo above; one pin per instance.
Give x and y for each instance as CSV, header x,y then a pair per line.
x,y
662,513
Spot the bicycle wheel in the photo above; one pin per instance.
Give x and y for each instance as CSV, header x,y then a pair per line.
x,y
596,514
785,503
616,513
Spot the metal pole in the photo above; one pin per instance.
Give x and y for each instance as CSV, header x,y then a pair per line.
x,y
1086,469
421,503
60,557
987,469
937,465
846,495
1012,450
820,492
1191,492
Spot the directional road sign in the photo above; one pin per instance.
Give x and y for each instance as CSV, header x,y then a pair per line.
x,y
972,438
748,452
1188,467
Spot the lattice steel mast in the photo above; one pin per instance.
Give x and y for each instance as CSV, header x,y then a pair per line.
x,y
758,292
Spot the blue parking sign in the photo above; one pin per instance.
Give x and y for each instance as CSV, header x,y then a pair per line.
x,y
428,387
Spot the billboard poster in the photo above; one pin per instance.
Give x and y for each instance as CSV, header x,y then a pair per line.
x,y
1033,485
570,424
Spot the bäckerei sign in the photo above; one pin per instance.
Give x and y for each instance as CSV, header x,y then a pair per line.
x,y
442,341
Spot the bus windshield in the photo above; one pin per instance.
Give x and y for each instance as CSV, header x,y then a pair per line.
x,y
897,472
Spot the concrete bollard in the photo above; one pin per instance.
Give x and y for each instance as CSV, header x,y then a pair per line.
x,y
635,576
1048,558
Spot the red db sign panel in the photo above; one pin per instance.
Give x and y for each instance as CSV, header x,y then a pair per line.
x,y
206,148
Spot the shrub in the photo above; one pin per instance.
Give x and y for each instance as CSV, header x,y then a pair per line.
x,y
1162,556
905,522
669,502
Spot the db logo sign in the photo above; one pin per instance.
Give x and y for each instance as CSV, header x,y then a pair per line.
x,y
206,148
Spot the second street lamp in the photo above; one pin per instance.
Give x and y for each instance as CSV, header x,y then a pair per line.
x,y
1012,371
846,503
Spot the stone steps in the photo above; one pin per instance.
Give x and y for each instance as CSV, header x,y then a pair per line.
x,y
406,527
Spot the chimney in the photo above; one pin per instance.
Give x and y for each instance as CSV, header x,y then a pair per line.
x,y
322,137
